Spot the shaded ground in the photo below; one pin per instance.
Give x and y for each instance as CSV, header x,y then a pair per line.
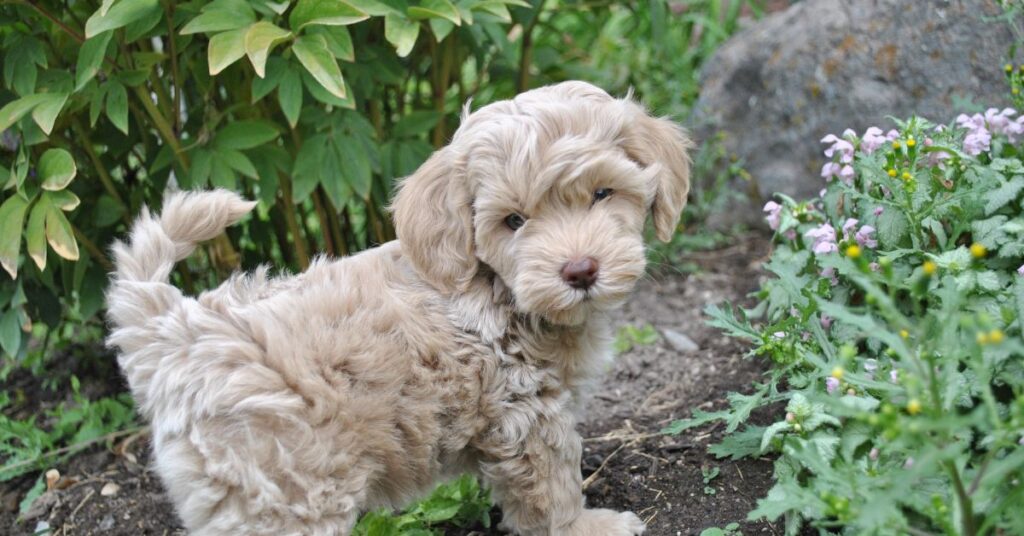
x,y
628,465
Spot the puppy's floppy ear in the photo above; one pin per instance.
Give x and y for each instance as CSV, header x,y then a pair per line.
x,y
434,222
663,146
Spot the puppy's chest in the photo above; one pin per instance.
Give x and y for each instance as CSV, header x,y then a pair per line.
x,y
533,360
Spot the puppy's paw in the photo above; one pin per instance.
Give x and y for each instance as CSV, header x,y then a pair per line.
x,y
601,522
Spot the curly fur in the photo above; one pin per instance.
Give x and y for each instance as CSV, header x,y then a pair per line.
x,y
291,405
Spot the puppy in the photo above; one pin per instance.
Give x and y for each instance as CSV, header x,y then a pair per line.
x,y
286,406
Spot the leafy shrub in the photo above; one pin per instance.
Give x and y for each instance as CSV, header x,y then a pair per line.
x,y
893,321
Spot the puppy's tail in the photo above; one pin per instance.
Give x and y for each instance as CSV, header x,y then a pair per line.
x,y
140,288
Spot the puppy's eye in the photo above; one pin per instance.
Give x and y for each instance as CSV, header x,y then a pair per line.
x,y
514,221
602,193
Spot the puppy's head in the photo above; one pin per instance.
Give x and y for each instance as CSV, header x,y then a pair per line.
x,y
551,190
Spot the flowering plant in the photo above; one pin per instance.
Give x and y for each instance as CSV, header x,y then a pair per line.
x,y
893,321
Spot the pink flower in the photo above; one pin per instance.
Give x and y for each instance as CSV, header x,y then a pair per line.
x,y
790,234
1020,271
830,170
892,135
830,273
848,226
909,463
824,238
872,140
831,384
874,266
936,158
839,147
997,120
894,376
847,174
878,211
779,334
971,122
774,211
873,454
977,142
864,238
826,321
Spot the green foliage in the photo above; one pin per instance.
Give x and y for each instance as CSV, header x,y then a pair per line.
x,y
894,326
461,503
709,475
630,336
29,445
732,529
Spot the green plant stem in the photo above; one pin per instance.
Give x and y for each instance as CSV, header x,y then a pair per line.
x,y
49,16
441,71
163,127
964,499
72,448
526,51
90,246
321,214
291,220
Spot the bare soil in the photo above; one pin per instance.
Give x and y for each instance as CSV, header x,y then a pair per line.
x,y
109,489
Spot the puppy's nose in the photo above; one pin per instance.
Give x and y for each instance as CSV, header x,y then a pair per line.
x,y
580,273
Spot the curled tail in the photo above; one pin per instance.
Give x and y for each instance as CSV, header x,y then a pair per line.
x,y
140,289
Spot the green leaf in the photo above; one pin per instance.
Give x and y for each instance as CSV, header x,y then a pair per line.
x,y
892,227
997,198
90,58
238,162
401,32
56,168
245,134
333,179
306,171
118,16
498,9
117,106
699,418
142,26
339,41
312,52
260,39
220,16
429,9
261,87
12,217
441,28
16,109
59,234
416,123
35,232
225,48
771,432
45,113
740,444
64,200
355,165
289,95
375,8
10,332
324,12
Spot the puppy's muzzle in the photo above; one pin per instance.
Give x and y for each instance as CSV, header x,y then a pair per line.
x,y
580,273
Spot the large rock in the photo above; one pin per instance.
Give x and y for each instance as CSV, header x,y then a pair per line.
x,y
821,66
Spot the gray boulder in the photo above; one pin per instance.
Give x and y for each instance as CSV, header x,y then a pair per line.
x,y
821,66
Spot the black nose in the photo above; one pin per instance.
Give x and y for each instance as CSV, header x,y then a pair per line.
x,y
580,273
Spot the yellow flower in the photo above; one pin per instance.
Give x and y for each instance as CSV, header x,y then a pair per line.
x,y
914,406
904,334
837,373
982,338
896,145
911,142
1015,91
907,176
853,251
996,336
978,251
1008,67
928,267
892,172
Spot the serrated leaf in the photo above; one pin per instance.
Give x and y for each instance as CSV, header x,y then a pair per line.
x,y
311,50
45,113
740,444
260,39
324,12
428,9
16,109
289,96
57,169
35,232
225,48
118,16
221,16
892,228
771,432
997,198
401,32
59,234
12,218
245,134
90,58
699,418
117,106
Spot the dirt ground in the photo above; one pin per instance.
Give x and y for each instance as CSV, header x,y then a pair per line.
x,y
627,463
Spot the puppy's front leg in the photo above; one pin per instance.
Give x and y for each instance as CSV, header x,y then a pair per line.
x,y
535,475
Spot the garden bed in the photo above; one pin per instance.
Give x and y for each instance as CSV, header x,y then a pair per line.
x,y
627,463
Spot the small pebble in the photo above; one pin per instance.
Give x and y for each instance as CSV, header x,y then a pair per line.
x,y
109,489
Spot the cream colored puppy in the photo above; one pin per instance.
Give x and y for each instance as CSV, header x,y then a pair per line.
x,y
290,405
